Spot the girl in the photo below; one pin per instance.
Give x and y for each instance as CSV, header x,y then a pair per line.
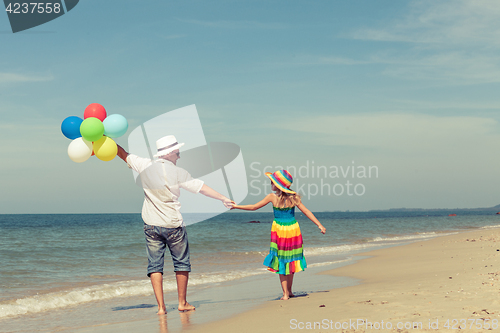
x,y
286,254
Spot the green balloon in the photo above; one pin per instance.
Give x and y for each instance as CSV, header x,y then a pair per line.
x,y
92,129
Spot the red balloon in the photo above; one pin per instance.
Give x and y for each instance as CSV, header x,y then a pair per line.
x,y
95,110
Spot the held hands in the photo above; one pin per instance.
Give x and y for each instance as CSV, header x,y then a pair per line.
x,y
228,203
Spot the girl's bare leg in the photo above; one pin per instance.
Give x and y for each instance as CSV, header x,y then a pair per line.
x,y
284,285
290,282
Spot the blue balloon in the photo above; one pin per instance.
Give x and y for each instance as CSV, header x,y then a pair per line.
x,y
115,125
70,127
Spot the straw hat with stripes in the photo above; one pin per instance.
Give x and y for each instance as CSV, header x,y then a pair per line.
x,y
282,179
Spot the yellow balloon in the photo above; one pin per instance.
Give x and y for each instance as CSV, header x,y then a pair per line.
x,y
105,149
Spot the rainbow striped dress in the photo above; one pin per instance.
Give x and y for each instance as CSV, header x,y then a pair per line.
x,y
286,253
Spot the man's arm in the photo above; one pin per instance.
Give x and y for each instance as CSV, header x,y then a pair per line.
x,y
258,205
122,153
211,193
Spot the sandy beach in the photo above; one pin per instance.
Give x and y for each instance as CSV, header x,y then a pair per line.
x,y
446,283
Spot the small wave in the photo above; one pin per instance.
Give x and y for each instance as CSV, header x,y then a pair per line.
x,y
326,263
67,298
317,251
370,244
423,235
490,227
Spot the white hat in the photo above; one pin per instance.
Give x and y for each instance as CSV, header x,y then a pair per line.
x,y
166,145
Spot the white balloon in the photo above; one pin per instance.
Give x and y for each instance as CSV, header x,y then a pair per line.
x,y
79,150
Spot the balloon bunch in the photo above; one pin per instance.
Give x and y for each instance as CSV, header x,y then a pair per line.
x,y
93,134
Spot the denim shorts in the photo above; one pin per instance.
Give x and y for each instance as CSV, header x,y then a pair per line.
x,y
158,239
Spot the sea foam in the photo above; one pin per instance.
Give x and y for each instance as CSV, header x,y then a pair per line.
x,y
370,244
77,296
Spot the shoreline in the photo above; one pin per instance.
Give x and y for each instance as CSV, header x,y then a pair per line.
x,y
427,285
226,301
222,300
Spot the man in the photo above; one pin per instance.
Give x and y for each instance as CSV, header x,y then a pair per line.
x,y
162,180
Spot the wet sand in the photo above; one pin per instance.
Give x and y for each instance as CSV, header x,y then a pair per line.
x,y
443,284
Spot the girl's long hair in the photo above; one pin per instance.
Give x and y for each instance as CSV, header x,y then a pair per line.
x,y
286,200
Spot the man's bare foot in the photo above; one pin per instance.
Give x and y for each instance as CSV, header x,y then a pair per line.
x,y
284,298
186,307
161,311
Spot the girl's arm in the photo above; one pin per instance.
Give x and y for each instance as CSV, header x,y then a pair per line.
x,y
260,204
311,217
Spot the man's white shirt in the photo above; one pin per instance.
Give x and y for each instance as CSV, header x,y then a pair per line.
x,y
162,181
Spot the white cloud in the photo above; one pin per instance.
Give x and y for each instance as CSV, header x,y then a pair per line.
x,y
423,160
453,42
452,67
413,105
18,78
451,22
456,68
420,134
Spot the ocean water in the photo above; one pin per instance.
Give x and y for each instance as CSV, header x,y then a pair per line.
x,y
52,263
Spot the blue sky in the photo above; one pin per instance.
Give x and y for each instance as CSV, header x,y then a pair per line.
x,y
408,87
